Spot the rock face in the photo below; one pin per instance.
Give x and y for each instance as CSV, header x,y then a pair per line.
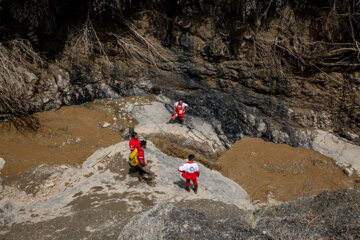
x,y
304,218
196,133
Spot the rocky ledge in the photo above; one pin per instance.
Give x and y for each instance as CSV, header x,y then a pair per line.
x,y
308,218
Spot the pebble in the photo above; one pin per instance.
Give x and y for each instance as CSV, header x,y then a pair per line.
x,y
349,171
49,185
106,124
2,163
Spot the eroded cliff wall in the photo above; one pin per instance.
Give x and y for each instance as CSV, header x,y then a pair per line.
x,y
280,70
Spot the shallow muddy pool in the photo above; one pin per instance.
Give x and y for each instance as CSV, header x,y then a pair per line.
x,y
286,173
65,136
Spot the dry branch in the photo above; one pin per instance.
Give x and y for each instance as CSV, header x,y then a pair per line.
x,y
14,64
86,41
139,48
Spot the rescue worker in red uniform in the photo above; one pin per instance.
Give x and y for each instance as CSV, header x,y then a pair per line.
x,y
179,111
134,141
190,171
142,167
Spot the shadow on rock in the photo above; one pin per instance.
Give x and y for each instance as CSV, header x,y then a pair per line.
x,y
180,183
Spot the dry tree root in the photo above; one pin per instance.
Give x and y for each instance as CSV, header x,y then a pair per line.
x,y
288,52
15,61
140,50
86,41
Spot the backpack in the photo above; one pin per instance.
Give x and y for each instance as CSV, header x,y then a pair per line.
x,y
133,160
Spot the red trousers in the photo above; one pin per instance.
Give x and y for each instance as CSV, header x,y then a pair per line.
x,y
182,116
188,182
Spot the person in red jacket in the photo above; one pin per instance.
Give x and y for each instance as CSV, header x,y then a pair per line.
x,y
134,141
179,111
142,166
190,171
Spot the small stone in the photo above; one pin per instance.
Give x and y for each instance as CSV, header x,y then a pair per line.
x,y
78,140
349,171
2,163
49,185
106,124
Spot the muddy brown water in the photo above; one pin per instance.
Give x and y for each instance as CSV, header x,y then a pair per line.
x,y
286,173
66,136
71,134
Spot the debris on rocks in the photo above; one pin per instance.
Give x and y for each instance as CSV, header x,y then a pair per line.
x,y
106,124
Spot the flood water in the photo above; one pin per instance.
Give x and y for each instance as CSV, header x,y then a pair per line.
x,y
71,134
286,173
65,136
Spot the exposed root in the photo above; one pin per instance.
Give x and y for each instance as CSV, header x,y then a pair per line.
x,y
139,48
14,64
86,42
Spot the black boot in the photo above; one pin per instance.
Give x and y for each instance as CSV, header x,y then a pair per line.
x,y
187,188
195,189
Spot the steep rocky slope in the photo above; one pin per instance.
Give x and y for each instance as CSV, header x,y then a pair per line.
x,y
270,69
